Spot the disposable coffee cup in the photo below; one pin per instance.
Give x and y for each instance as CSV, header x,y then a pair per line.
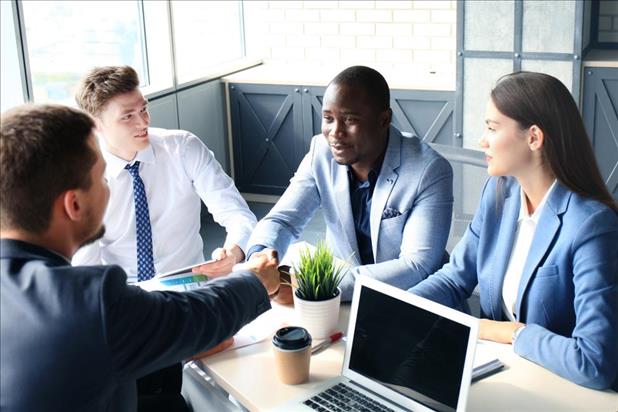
x,y
292,351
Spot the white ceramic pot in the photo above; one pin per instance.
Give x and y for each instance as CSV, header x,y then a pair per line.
x,y
319,318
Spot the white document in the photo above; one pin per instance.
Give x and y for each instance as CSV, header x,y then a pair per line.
x,y
263,327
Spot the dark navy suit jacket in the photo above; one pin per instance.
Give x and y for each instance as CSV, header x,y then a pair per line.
x,y
77,338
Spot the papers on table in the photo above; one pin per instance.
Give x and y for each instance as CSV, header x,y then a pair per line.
x,y
485,361
176,283
263,327
178,280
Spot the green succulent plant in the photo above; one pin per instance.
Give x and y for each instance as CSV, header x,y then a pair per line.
x,y
317,275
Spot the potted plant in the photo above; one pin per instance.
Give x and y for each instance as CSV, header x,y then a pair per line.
x,y
316,279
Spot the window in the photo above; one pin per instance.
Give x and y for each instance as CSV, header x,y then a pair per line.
x,y
206,35
65,39
12,89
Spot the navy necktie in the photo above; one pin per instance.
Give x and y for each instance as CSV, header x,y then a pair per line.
x,y
145,264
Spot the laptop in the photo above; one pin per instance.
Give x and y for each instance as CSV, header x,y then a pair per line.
x,y
403,352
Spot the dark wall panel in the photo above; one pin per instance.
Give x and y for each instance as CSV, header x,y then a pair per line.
x,y
201,111
163,112
600,112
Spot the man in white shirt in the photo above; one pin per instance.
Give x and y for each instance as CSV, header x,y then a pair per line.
x,y
176,169
157,178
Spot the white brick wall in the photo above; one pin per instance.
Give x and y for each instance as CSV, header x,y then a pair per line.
x,y
416,35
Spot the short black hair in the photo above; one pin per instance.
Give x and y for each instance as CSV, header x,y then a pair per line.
x,y
369,80
44,151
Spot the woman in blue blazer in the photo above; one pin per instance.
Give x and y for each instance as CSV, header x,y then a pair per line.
x,y
543,245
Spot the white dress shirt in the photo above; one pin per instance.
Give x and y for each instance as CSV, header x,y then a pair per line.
x,y
526,226
177,170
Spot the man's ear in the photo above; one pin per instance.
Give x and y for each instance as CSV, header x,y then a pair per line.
x,y
536,138
385,118
71,205
98,124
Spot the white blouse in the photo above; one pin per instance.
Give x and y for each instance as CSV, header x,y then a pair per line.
x,y
526,226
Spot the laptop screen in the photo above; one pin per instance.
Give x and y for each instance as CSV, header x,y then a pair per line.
x,y
411,350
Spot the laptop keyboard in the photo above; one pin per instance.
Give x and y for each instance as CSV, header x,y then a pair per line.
x,y
341,397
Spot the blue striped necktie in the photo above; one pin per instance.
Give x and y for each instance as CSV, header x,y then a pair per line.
x,y
145,264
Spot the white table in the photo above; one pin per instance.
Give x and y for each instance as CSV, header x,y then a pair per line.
x,y
248,375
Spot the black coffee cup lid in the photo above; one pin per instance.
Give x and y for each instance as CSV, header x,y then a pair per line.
x,y
291,338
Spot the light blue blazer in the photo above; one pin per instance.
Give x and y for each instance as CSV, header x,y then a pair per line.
x,y
568,295
410,213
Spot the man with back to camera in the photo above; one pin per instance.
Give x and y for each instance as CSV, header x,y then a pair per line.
x,y
157,178
386,199
76,338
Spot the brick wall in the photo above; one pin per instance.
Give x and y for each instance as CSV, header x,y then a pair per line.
x,y
406,35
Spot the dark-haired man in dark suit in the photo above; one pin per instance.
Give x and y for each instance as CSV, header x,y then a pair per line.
x,y
77,338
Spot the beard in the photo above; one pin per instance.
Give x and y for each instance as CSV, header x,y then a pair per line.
x,y
98,235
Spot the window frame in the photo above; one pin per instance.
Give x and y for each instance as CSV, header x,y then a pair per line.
x,y
158,81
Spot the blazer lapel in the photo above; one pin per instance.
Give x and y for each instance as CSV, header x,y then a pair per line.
x,y
341,184
504,246
546,230
384,186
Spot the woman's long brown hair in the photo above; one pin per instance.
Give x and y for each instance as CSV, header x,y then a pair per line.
x,y
542,100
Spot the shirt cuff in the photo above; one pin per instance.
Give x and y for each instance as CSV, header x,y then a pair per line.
x,y
254,249
239,238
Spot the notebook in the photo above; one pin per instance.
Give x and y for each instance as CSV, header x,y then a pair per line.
x,y
403,353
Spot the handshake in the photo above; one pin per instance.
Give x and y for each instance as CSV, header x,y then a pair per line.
x,y
264,264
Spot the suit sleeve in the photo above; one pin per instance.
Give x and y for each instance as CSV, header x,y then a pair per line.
x,y
218,192
456,280
588,357
287,219
146,331
424,237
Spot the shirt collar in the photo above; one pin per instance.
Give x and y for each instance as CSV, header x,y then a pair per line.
x,y
115,165
536,215
372,178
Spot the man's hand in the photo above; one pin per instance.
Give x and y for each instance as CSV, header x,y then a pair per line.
x,y
264,264
224,260
285,294
501,332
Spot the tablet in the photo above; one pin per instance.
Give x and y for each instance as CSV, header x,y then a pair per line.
x,y
183,269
